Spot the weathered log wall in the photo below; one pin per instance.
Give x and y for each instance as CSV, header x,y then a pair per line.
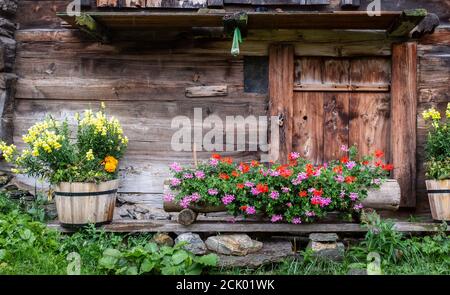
x,y
7,57
144,83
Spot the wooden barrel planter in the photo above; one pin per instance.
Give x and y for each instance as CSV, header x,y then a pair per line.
x,y
80,203
439,197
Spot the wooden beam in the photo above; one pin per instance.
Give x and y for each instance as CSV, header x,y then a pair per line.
x,y
403,119
341,88
250,227
281,91
215,3
350,4
409,19
207,91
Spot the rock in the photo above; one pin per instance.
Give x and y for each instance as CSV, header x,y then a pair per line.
x,y
319,237
272,252
332,251
239,244
194,243
163,239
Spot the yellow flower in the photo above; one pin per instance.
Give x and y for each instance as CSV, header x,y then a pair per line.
x,y
447,112
90,155
431,113
8,151
102,105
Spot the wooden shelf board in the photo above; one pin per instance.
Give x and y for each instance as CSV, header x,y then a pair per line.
x,y
142,20
249,227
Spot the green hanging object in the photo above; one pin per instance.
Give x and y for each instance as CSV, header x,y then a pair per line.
x,y
237,39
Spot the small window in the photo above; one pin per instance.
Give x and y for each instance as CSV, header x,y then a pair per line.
x,y
256,74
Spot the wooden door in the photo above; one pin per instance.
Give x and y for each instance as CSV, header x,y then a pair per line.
x,y
323,103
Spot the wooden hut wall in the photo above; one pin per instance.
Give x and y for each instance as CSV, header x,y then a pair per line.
x,y
143,83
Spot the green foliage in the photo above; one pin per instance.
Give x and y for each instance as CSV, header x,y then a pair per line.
x,y
51,154
437,148
151,259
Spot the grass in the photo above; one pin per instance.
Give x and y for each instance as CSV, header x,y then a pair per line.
x,y
27,246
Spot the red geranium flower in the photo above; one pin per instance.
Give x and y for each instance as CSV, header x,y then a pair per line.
x,y
315,201
365,163
224,176
240,185
318,193
309,169
379,154
243,208
227,160
216,156
262,188
378,163
244,167
344,160
303,194
350,179
337,169
235,173
388,167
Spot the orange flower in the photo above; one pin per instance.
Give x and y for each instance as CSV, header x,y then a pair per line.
x,y
388,167
309,169
244,167
337,169
303,194
365,163
350,179
227,160
379,154
243,208
255,163
262,188
110,164
235,173
216,156
240,185
224,176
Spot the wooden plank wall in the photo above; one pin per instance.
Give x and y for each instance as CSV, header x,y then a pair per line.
x,y
62,73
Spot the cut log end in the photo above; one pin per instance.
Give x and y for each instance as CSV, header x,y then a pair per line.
x,y
187,217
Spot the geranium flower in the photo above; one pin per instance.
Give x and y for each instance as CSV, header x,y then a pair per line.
x,y
289,204
378,163
243,208
227,160
276,218
168,197
294,156
379,154
240,185
176,167
344,148
388,167
195,197
262,188
175,182
296,220
213,162
365,163
344,160
376,181
274,195
216,156
199,174
358,207
188,176
254,163
235,173
227,199
353,196
339,178
318,193
350,165
249,184
213,192
337,169
255,191
250,210
244,168
350,179
285,190
303,194
224,176
310,213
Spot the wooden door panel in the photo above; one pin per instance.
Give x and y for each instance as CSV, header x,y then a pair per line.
x,y
336,124
370,122
308,128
